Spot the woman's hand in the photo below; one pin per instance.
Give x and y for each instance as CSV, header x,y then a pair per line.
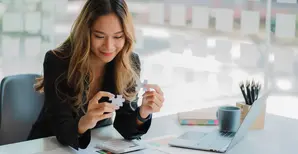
x,y
152,101
96,112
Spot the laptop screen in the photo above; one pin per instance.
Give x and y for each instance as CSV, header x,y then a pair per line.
x,y
249,119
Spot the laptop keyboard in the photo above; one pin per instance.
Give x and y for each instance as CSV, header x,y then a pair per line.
x,y
192,135
216,140
226,135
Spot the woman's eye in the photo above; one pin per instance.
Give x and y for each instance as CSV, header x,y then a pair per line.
x,y
99,36
118,37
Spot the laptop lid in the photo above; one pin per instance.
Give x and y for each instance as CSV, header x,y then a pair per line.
x,y
249,119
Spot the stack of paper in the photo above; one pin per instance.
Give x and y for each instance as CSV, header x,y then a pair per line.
x,y
206,116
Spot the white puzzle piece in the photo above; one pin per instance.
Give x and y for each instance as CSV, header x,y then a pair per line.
x,y
118,101
141,85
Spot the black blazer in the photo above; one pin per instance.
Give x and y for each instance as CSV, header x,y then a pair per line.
x,y
57,118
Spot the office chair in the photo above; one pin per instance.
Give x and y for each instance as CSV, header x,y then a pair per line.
x,y
19,107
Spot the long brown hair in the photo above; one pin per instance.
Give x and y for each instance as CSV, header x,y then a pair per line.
x,y
79,41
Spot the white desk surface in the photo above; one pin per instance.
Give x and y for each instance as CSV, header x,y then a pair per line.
x,y
279,136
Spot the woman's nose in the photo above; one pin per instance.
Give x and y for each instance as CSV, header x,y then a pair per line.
x,y
109,44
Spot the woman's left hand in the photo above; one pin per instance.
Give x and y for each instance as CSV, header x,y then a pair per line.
x,y
152,101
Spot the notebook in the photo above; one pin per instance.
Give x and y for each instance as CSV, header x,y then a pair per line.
x,y
120,145
205,116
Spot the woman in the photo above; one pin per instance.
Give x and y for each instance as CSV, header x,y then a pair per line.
x,y
95,63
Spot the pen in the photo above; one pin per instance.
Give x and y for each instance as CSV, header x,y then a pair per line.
x,y
258,90
241,85
248,92
253,91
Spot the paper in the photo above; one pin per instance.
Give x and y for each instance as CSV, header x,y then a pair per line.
x,y
10,46
103,152
57,6
61,6
33,22
206,116
161,141
286,1
6,1
250,22
145,151
224,20
18,4
32,1
48,5
12,22
32,46
178,15
285,25
148,151
161,144
47,27
156,13
200,17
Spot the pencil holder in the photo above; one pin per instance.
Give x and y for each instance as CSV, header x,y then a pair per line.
x,y
260,121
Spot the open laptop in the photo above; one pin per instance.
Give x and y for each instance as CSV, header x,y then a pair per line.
x,y
217,141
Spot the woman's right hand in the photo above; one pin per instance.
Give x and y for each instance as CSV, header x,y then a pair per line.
x,y
95,112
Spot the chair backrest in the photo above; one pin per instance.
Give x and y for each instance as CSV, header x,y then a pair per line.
x,y
20,106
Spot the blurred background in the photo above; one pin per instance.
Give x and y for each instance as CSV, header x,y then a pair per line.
x,y
196,50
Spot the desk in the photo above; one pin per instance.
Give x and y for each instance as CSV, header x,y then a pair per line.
x,y
279,136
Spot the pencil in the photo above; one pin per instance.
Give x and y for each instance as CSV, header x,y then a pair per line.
x,y
241,85
248,93
258,90
253,91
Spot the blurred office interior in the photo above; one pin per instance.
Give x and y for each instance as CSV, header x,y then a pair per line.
x,y
196,50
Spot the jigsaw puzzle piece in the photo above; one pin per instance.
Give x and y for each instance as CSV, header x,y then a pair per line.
x,y
141,85
118,100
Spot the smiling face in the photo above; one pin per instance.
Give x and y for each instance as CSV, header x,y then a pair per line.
x,y
107,38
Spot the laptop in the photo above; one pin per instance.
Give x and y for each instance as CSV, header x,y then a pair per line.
x,y
217,141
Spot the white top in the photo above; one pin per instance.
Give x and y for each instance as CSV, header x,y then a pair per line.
x,y
279,136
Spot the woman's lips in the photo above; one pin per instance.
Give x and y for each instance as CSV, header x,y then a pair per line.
x,y
107,54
